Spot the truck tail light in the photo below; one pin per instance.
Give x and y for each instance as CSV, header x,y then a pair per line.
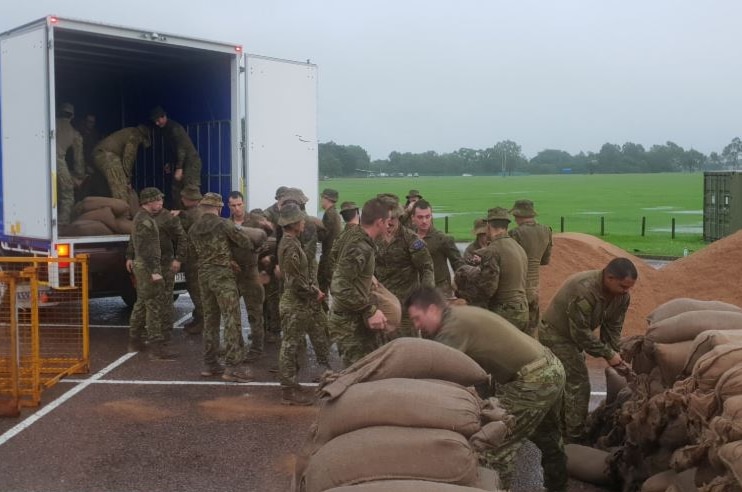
x,y
63,251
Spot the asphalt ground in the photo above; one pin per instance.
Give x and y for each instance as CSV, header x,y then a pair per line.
x,y
132,424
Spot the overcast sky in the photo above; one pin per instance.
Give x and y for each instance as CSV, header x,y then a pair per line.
x,y
435,75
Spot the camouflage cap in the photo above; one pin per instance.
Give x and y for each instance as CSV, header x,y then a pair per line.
x,y
67,108
393,201
258,212
157,112
148,195
523,208
348,206
191,192
414,194
480,227
330,194
211,199
290,214
280,191
498,213
295,195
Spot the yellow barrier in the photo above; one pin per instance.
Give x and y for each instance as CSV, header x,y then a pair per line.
x,y
44,324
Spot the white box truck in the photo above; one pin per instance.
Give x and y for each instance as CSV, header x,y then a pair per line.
x,y
252,119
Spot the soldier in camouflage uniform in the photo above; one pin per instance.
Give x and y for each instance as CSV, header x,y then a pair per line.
x,y
147,267
529,379
333,226
351,215
481,241
173,250
115,155
403,262
503,268
586,301
301,312
67,180
191,196
441,246
271,318
535,239
406,218
354,320
187,166
248,278
213,239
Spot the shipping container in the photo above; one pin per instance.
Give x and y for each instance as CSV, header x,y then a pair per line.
x,y
722,204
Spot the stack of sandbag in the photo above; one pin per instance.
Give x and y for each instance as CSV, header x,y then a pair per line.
x,y
403,418
99,216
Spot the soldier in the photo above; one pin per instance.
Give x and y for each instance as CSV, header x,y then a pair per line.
x,y
213,238
406,217
529,379
333,227
535,239
352,217
354,320
248,279
403,262
586,301
187,161
481,241
147,267
173,250
115,156
301,314
442,247
191,196
90,138
272,212
503,267
67,180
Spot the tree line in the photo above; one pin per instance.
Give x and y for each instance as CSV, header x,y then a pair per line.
x,y
506,157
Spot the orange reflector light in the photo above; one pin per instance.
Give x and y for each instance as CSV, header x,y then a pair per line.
x,y
63,251
53,20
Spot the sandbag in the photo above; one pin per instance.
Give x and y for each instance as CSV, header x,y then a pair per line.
x,y
671,358
728,426
386,453
614,383
671,480
399,402
675,433
685,304
587,464
405,486
119,207
490,437
407,357
133,203
389,305
123,226
85,228
731,455
687,326
256,235
730,383
713,364
706,341
103,214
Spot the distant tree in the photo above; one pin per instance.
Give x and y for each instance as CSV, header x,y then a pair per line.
x,y
732,152
714,161
505,157
550,161
609,158
692,160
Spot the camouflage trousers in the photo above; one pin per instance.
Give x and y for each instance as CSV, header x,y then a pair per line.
x,y
110,165
271,315
324,273
191,276
191,176
65,192
149,315
221,300
534,313
534,398
300,318
138,322
576,388
253,294
516,312
353,338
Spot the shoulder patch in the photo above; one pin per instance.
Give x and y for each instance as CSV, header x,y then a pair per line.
x,y
418,244
584,305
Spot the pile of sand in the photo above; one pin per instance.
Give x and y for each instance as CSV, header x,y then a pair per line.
x,y
713,273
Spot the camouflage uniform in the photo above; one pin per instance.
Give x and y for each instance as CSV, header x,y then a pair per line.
x,y
271,316
67,137
187,218
443,251
115,156
403,265
530,384
480,227
567,327
186,158
351,291
333,226
173,246
309,239
300,312
338,246
212,238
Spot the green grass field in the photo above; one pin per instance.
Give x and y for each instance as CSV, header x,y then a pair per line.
x,y
622,200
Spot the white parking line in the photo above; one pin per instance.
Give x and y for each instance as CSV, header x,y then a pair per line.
x,y
82,384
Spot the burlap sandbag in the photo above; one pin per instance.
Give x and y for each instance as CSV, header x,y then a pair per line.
x,y
710,367
661,482
133,204
414,358
104,215
730,383
587,464
491,436
399,402
687,326
614,383
123,226
256,235
706,341
85,228
675,433
728,426
388,453
389,305
731,455
405,486
684,305
670,358
119,207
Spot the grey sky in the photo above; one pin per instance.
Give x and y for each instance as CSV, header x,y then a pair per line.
x,y
416,75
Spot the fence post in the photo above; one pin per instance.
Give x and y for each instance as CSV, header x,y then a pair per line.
x,y
644,225
602,225
561,224
445,224
673,228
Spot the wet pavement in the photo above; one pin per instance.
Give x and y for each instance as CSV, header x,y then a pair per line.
x,y
133,424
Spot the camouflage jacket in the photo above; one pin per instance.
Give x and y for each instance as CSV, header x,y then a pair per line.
x,y
212,238
338,245
443,251
333,227
145,242
535,239
471,250
125,144
172,238
68,137
309,239
503,271
354,269
404,264
246,258
297,283
181,144
579,307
